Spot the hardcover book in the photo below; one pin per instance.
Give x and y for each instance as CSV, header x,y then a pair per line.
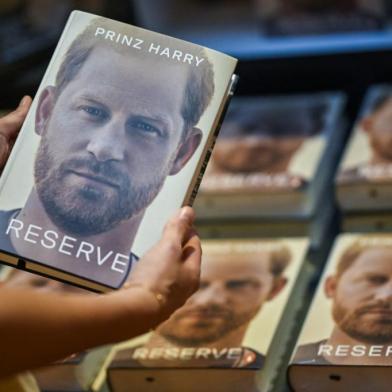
x,y
232,332
346,340
367,222
117,139
76,372
317,228
364,180
273,158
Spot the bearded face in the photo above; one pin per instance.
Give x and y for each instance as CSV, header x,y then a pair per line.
x,y
232,291
109,140
86,197
370,323
362,300
197,326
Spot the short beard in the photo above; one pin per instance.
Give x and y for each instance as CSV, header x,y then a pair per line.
x,y
382,150
194,341
366,331
87,211
205,334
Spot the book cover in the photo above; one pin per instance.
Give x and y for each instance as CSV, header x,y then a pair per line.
x,y
226,332
116,140
346,340
365,173
272,156
310,17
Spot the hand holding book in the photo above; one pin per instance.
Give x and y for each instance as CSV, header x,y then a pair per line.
x,y
169,272
114,149
59,325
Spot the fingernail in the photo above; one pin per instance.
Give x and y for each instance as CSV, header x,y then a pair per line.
x,y
23,101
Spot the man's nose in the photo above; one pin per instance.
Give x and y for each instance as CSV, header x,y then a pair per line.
x,y
107,144
385,292
214,294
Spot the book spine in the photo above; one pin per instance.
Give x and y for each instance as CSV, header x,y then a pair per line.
x,y
211,142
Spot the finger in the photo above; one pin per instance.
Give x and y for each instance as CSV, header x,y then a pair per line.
x,y
190,233
192,262
191,270
12,122
191,255
177,228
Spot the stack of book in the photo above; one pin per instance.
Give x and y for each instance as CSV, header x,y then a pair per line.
x,y
346,340
272,167
364,179
310,17
231,334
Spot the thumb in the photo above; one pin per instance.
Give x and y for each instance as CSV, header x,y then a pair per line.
x,y
177,229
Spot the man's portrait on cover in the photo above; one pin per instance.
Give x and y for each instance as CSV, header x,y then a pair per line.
x,y
370,155
116,122
260,138
235,286
359,290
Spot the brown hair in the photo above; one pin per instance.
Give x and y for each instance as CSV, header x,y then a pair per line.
x,y
200,86
280,259
356,249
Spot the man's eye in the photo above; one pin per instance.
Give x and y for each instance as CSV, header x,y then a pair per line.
x,y
237,284
146,128
94,112
377,279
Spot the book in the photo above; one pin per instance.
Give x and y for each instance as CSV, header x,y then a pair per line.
x,y
364,178
310,17
76,372
274,157
214,342
346,340
116,140
317,228
367,222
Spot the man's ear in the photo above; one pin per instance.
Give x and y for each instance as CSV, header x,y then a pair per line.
x,y
367,123
44,109
186,150
330,286
278,286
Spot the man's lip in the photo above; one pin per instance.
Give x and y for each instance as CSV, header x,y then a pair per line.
x,y
102,180
203,315
387,312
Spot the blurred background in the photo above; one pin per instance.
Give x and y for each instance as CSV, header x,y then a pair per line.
x,y
283,45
